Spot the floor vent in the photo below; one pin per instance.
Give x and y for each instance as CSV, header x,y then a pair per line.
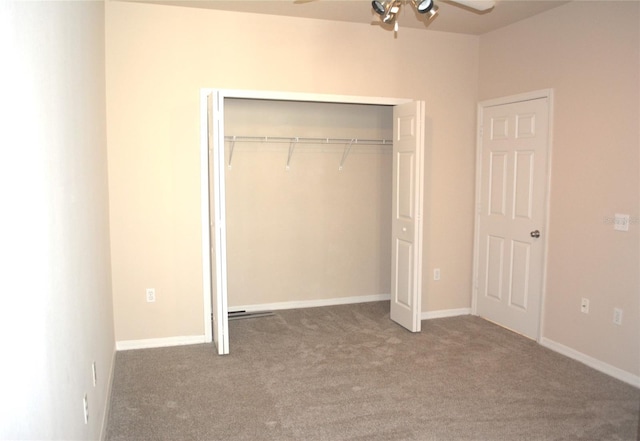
x,y
237,315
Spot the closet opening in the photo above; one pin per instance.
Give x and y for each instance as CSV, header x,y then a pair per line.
x,y
300,194
308,197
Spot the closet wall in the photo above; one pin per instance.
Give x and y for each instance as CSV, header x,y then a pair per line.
x,y
310,231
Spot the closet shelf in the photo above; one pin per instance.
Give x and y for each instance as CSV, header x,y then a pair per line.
x,y
348,142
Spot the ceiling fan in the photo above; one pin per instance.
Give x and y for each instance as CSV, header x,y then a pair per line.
x,y
388,9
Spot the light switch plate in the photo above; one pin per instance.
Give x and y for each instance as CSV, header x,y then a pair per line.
x,y
621,222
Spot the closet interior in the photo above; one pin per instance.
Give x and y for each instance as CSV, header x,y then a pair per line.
x,y
308,200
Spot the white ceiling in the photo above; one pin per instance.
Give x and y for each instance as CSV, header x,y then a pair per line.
x,y
451,17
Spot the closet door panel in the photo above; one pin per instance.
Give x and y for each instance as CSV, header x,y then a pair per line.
x,y
406,280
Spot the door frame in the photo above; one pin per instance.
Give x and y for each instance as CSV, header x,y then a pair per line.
x,y
511,99
205,198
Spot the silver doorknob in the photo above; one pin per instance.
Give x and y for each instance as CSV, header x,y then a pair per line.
x,y
535,234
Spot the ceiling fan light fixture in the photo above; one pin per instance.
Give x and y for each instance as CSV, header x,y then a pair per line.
x,y
423,6
387,10
378,7
394,8
388,18
432,13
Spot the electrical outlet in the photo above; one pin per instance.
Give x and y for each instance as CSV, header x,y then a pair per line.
x,y
621,222
584,306
617,316
151,295
436,274
94,374
85,405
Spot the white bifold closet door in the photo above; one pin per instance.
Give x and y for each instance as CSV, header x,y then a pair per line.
x,y
406,246
406,260
217,220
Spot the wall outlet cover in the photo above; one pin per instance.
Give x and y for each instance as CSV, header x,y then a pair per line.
x,y
584,306
621,222
617,316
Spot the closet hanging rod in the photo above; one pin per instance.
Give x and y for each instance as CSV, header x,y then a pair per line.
x,y
298,140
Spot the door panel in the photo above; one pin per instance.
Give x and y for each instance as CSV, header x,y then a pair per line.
x,y
520,265
405,192
498,184
523,194
513,183
406,260
404,273
495,264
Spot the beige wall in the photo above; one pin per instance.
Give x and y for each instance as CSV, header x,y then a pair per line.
x,y
589,54
158,59
57,315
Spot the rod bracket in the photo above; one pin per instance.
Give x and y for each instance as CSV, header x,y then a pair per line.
x,y
347,149
233,144
292,146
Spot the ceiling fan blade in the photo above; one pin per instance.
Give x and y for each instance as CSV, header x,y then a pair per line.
x,y
478,5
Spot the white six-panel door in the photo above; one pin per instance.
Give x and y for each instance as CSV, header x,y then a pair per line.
x,y
512,213
406,228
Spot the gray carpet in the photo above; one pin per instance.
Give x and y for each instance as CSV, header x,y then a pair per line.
x,y
349,373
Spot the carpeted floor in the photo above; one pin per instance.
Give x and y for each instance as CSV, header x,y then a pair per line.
x,y
349,373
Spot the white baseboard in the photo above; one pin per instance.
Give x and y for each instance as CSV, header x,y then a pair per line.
x,y
311,303
105,415
445,313
594,363
126,345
